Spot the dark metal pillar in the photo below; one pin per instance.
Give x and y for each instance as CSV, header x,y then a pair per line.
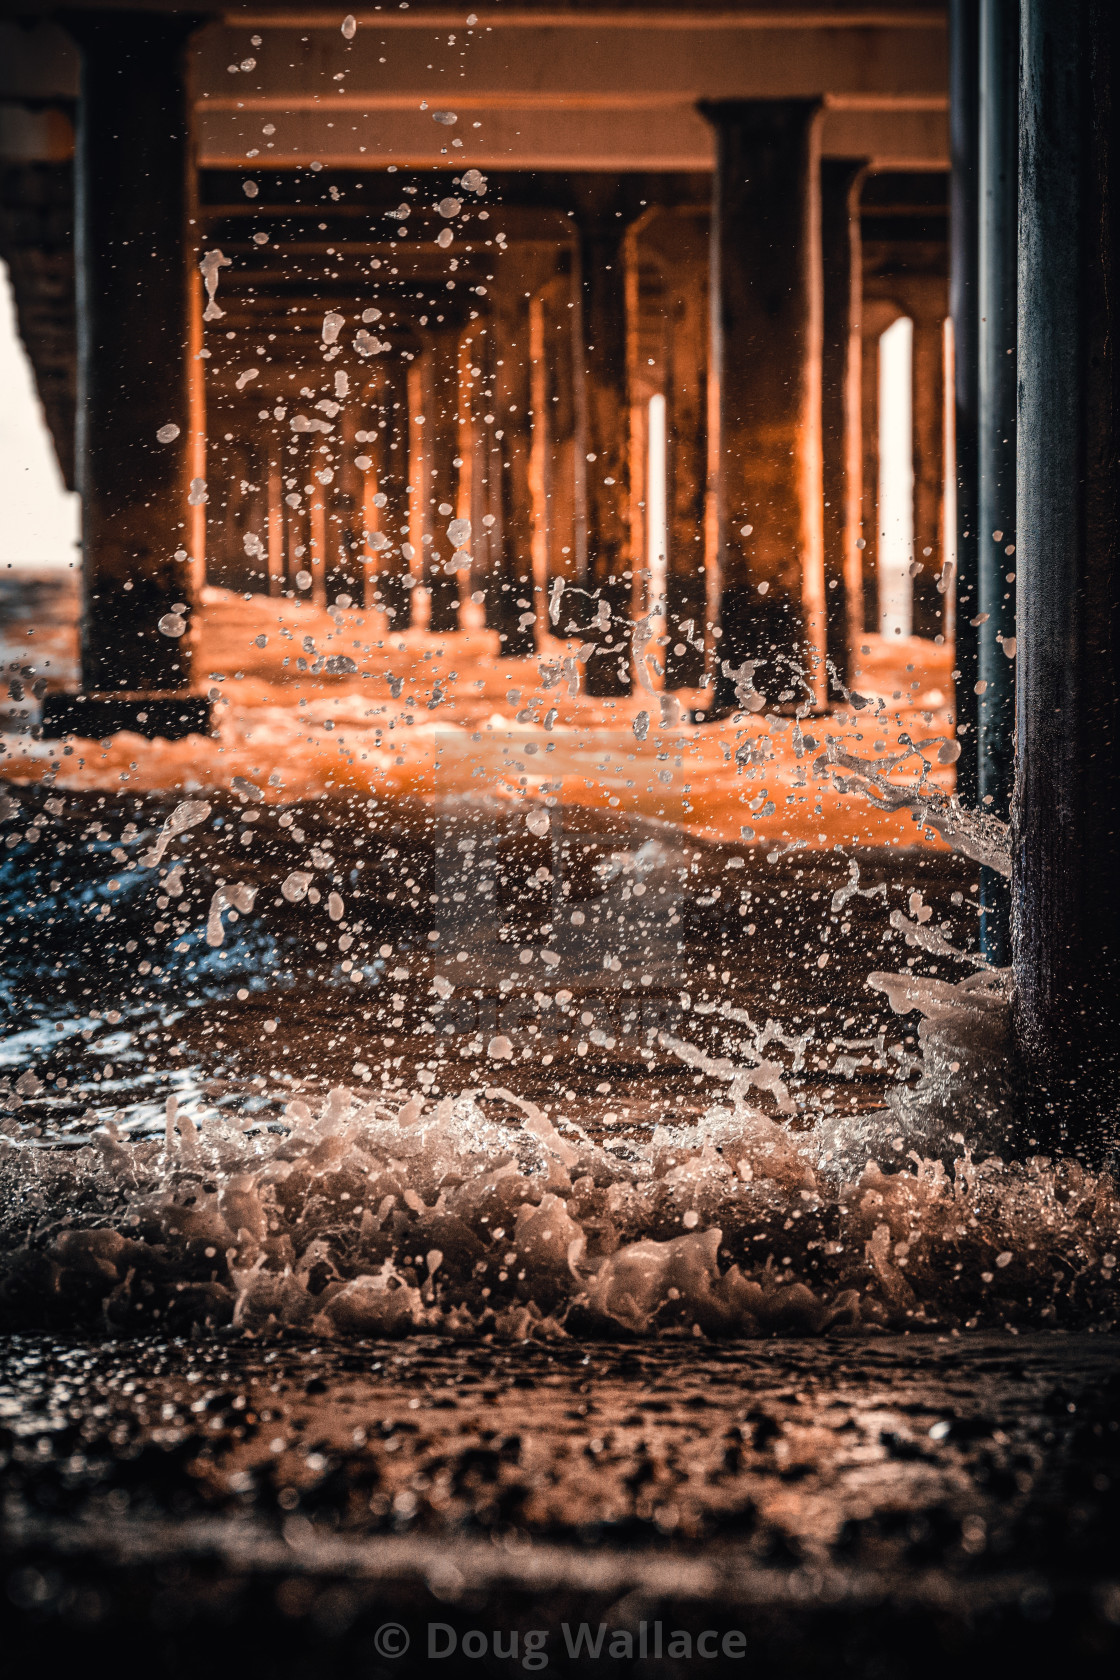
x,y
131,192
964,119
766,358
842,264
1066,859
998,258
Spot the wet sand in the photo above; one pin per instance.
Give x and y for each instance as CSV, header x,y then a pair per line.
x,y
310,703
852,1506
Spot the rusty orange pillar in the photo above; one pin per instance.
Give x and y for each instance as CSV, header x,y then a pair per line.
x,y
766,336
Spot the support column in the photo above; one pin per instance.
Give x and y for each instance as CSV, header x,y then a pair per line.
x,y
561,442
343,535
686,582
416,489
602,262
509,604
869,455
766,357
928,610
540,457
678,240
315,561
561,463
275,539
131,183
1066,856
387,436
441,449
964,145
466,498
841,370
474,451
999,153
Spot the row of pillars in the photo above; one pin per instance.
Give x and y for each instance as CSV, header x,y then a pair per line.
x,y
415,435
984,305
761,595
1035,102
765,489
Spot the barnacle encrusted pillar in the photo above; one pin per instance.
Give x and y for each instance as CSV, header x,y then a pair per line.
x,y
1066,847
133,279
766,335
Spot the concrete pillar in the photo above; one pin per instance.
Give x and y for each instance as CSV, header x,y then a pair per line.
x,y
386,495
274,540
441,484
509,596
131,190
673,334
841,371
999,153
315,560
345,522
540,456
928,611
1066,857
874,324
474,452
766,357
564,507
686,581
964,227
343,535
412,547
488,474
466,498
602,263
298,532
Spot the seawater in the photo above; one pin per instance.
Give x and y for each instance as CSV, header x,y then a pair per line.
x,y
455,1204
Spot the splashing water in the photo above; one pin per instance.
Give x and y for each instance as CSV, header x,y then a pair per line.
x,y
481,1213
